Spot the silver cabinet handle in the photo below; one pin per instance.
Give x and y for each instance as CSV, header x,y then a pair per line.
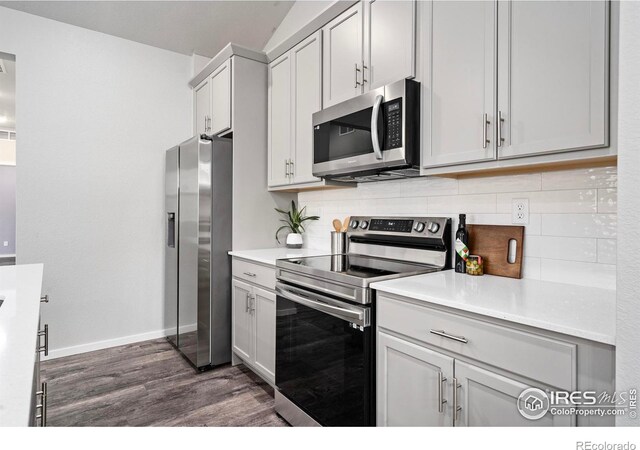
x,y
291,167
456,408
246,303
500,120
205,124
374,127
286,168
249,274
363,69
44,299
441,401
486,122
449,336
44,348
357,82
252,304
42,406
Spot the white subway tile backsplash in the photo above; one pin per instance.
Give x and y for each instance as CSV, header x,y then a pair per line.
x,y
570,237
580,225
607,249
564,248
582,273
597,177
607,200
567,201
504,183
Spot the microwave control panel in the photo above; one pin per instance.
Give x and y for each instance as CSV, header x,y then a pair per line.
x,y
393,122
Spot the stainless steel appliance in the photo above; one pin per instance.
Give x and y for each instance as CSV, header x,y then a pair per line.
x,y
198,237
372,137
325,314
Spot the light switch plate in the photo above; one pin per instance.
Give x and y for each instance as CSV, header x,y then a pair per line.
x,y
520,211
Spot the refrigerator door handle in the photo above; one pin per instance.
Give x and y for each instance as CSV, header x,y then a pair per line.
x,y
171,230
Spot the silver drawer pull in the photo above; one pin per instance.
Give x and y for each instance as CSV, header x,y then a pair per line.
x,y
249,274
449,336
44,348
44,299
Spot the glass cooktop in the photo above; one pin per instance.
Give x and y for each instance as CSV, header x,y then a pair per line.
x,y
357,266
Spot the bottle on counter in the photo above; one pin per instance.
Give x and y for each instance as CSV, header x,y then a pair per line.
x,y
462,249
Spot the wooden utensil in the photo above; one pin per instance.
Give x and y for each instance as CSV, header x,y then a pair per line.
x,y
345,224
337,225
492,242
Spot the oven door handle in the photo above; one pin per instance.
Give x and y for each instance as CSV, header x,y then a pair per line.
x,y
359,317
374,127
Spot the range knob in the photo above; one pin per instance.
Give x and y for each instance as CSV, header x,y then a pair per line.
x,y
433,227
419,227
364,224
354,224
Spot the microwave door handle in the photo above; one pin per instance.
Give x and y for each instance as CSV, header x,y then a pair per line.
x,y
374,127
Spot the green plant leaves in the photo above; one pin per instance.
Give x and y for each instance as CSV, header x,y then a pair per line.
x,y
293,219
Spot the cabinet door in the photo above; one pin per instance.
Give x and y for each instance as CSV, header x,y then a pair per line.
x,y
307,99
264,317
462,79
553,76
488,399
221,98
202,108
342,62
389,41
408,384
279,120
242,323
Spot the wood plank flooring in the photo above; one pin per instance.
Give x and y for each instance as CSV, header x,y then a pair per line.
x,y
150,384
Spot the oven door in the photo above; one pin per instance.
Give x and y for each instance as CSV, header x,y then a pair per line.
x,y
361,134
324,362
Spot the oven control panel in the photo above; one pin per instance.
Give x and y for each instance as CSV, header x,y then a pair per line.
x,y
433,227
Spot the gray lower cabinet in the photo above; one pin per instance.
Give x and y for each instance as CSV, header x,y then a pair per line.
x,y
253,321
437,366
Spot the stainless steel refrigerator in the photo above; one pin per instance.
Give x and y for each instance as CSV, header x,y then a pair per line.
x,y
198,237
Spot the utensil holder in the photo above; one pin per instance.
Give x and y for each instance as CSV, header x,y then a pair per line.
x,y
338,243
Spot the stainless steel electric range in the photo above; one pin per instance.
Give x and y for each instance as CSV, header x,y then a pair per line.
x,y
325,314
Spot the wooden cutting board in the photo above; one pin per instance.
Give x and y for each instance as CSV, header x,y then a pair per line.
x,y
492,243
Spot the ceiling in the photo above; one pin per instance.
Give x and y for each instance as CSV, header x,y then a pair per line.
x,y
186,27
7,93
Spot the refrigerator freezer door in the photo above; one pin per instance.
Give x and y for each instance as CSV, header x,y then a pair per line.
x,y
194,231
171,245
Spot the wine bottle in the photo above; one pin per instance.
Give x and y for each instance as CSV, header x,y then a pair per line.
x,y
462,250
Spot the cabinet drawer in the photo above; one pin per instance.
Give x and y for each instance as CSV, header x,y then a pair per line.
x,y
255,273
540,358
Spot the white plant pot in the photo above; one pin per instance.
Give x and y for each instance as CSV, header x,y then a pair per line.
x,y
294,240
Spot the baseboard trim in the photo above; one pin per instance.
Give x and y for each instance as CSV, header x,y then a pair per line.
x,y
108,343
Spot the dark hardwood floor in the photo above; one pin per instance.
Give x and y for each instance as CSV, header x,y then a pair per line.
x,y
150,384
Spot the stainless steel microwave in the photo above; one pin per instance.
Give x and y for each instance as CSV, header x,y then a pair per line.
x,y
370,137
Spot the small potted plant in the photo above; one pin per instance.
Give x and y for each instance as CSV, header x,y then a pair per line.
x,y
294,220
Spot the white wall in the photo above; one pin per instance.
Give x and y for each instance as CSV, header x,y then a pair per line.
x,y
628,299
571,236
95,114
299,15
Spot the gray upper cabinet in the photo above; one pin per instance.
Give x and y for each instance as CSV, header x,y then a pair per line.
x,y
342,65
369,45
221,99
459,82
412,390
202,94
389,41
295,93
509,79
553,76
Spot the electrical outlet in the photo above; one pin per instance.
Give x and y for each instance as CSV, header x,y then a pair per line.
x,y
5,244
520,211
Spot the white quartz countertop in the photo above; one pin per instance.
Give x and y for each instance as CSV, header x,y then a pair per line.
x,y
584,312
21,288
270,255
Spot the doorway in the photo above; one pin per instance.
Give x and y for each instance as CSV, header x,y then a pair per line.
x,y
7,159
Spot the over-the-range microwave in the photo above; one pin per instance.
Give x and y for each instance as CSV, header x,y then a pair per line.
x,y
372,137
